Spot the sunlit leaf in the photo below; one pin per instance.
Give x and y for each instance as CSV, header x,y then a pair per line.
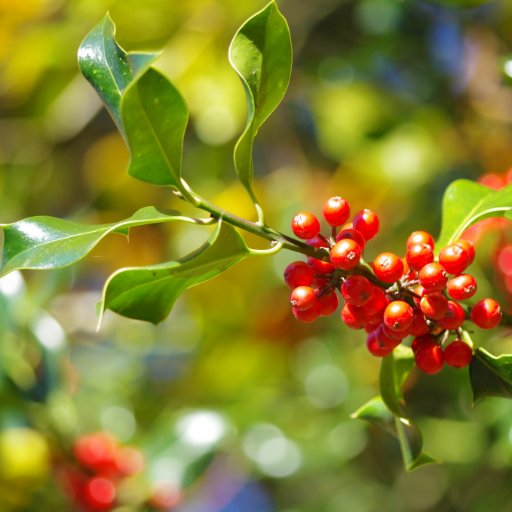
x,y
108,67
149,293
490,375
46,242
154,117
466,202
261,54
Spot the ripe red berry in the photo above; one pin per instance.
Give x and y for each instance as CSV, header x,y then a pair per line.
x,y
433,277
398,315
336,211
434,305
298,273
468,247
422,341
303,297
356,290
376,347
367,223
461,287
458,354
454,258
486,314
419,324
305,225
96,451
346,254
429,358
321,267
377,303
328,303
353,234
353,316
420,237
317,241
307,315
419,255
100,493
454,316
388,267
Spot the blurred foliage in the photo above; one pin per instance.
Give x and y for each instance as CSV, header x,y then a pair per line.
x,y
236,406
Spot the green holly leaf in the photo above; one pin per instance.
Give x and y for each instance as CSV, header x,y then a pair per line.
x,y
154,117
490,375
466,202
149,293
108,67
46,242
387,411
261,54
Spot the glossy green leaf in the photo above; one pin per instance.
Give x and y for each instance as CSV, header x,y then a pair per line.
x,y
261,54
108,67
466,202
490,375
155,118
149,293
46,242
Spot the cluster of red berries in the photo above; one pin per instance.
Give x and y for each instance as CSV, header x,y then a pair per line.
x,y
394,297
103,463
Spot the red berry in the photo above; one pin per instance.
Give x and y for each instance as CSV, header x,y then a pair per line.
x,y
328,303
367,223
458,354
454,316
388,267
96,451
336,211
419,324
468,247
398,315
302,298
356,290
307,315
429,358
389,337
454,259
422,341
433,277
320,266
418,255
346,254
377,303
461,287
376,347
434,305
353,316
317,241
298,273
100,493
353,234
420,237
486,314
305,225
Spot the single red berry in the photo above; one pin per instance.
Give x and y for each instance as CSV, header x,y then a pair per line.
x,y
433,277
328,303
317,241
346,254
353,234
434,305
454,258
307,315
376,347
422,341
298,273
100,493
305,225
419,255
96,451
429,358
356,290
336,211
461,287
388,267
419,324
486,314
377,303
321,267
454,316
458,354
367,223
303,297
353,316
396,336
398,315
420,237
468,247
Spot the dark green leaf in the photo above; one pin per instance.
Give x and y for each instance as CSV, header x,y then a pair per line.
x,y
149,293
154,117
108,67
46,242
466,202
261,53
490,375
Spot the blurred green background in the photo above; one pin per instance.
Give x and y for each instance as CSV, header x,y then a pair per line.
x,y
236,406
